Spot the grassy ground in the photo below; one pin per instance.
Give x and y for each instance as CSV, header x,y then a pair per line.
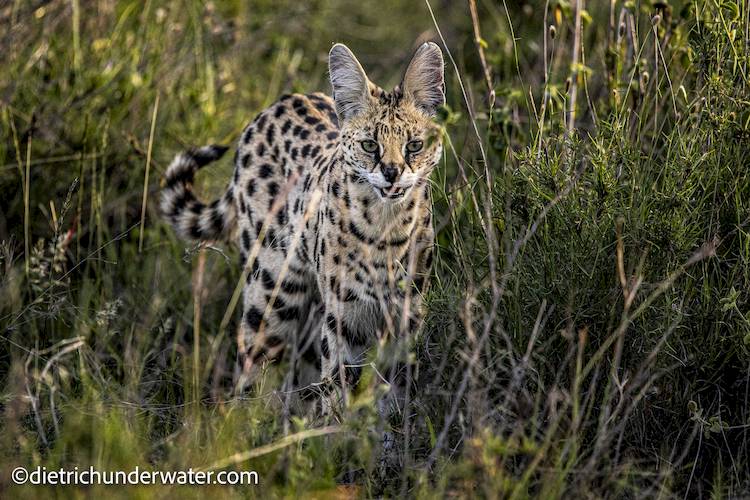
x,y
589,322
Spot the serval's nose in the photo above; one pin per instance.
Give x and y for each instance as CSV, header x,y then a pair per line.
x,y
390,173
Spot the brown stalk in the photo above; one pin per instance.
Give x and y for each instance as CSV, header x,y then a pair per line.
x,y
573,91
478,41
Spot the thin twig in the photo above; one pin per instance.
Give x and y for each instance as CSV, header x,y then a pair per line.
x,y
573,91
479,42
271,447
148,167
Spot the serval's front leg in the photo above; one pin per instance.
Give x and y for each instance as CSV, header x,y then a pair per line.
x,y
343,348
407,311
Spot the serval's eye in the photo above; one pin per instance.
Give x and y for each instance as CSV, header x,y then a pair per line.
x,y
414,146
369,146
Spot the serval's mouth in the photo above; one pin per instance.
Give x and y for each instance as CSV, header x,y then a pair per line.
x,y
392,193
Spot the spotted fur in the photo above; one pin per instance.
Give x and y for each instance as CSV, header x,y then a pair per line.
x,y
331,207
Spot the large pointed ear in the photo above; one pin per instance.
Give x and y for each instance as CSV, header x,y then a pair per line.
x,y
350,84
423,81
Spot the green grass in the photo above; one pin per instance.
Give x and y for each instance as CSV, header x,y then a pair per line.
x,y
589,321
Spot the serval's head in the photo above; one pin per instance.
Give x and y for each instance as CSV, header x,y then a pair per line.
x,y
389,139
